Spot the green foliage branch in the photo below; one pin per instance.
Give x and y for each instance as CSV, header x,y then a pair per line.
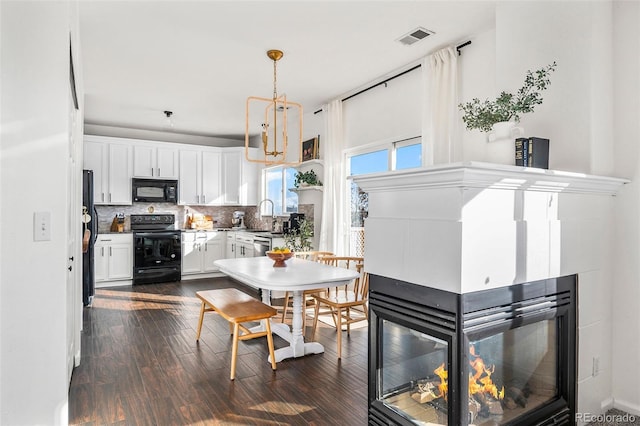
x,y
300,239
482,115
308,177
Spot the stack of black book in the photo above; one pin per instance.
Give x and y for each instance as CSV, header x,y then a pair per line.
x,y
532,152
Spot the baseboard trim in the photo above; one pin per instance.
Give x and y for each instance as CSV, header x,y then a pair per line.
x,y
626,406
606,405
189,277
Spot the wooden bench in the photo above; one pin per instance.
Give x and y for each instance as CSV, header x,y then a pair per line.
x,y
237,307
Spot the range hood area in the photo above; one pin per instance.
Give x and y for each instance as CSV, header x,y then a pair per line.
x,y
491,271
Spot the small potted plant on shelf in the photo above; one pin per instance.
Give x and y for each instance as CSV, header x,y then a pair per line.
x,y
308,178
507,107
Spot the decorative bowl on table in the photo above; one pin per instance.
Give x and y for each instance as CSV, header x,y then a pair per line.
x,y
279,257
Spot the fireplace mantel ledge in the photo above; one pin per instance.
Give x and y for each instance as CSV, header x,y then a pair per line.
x,y
488,175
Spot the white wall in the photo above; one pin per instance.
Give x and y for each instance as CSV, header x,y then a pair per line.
x,y
626,280
33,177
477,71
576,108
384,113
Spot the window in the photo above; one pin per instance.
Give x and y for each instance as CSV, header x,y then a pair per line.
x,y
408,154
370,162
277,182
399,155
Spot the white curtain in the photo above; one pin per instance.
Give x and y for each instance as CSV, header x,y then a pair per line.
x,y
440,143
333,227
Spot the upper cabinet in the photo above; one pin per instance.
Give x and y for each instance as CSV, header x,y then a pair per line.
x,y
199,181
111,163
240,183
208,176
154,160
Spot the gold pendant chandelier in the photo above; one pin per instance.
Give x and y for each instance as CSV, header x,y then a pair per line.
x,y
274,121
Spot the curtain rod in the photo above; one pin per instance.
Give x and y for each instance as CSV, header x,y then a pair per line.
x,y
458,47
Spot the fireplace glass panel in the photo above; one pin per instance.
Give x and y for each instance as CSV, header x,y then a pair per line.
x,y
512,373
413,374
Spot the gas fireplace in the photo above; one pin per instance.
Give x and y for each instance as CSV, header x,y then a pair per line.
x,y
503,356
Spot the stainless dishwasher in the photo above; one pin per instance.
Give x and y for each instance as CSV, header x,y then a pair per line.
x,y
261,245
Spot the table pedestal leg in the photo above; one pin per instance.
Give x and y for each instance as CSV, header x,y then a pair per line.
x,y
277,328
297,346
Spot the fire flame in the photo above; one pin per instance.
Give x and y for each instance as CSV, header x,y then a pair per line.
x,y
479,382
444,376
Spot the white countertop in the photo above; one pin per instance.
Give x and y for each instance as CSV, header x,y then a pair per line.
x,y
297,275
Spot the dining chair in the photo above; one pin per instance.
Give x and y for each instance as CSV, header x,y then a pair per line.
x,y
344,301
314,256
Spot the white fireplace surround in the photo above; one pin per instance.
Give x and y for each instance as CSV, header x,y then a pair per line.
x,y
471,226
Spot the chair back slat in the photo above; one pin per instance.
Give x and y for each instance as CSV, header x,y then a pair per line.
x,y
314,256
347,262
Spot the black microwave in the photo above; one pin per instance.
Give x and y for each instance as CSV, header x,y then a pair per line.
x,y
154,190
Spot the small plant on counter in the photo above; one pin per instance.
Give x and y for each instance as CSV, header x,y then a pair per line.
x,y
507,106
306,178
300,239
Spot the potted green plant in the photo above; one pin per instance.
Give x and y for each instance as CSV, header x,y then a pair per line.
x,y
308,178
300,239
508,107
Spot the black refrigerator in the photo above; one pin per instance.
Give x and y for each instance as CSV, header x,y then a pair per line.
x,y
89,222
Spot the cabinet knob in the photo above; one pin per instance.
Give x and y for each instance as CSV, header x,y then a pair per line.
x,y
70,268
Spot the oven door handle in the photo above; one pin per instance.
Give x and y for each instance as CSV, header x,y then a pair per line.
x,y
156,235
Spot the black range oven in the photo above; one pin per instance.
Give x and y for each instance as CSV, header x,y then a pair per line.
x,y
157,252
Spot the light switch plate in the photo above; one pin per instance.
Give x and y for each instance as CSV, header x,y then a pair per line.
x,y
42,226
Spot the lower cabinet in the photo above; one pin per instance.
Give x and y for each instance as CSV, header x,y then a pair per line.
x,y
244,246
200,249
113,258
239,244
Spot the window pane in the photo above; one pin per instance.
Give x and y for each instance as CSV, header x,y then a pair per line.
x,y
278,180
371,162
291,204
409,156
273,179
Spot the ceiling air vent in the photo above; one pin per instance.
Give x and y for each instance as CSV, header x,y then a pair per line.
x,y
414,36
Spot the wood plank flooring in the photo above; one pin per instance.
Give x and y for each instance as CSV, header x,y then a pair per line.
x,y
141,365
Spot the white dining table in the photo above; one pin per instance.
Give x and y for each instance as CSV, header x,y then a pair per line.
x,y
297,276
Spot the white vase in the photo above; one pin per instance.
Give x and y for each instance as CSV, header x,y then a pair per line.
x,y
501,147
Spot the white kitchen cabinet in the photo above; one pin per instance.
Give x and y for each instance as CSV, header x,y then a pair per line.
x,y
199,182
113,259
232,172
200,249
95,158
111,163
211,173
239,179
190,177
119,174
155,161
239,244
230,252
244,245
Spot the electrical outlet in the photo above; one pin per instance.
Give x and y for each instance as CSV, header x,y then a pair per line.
x,y
595,370
42,226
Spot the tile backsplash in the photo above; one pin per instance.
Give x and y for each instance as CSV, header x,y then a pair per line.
x,y
221,215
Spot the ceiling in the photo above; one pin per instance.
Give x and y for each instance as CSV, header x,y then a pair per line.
x,y
202,59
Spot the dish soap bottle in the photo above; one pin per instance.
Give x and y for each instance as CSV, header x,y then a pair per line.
x,y
188,222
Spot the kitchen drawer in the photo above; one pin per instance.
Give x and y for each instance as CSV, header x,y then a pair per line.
x,y
114,238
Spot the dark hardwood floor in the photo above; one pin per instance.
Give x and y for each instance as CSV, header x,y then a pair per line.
x,y
141,365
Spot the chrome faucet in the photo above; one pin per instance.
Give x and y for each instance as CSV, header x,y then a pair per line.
x,y
273,216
